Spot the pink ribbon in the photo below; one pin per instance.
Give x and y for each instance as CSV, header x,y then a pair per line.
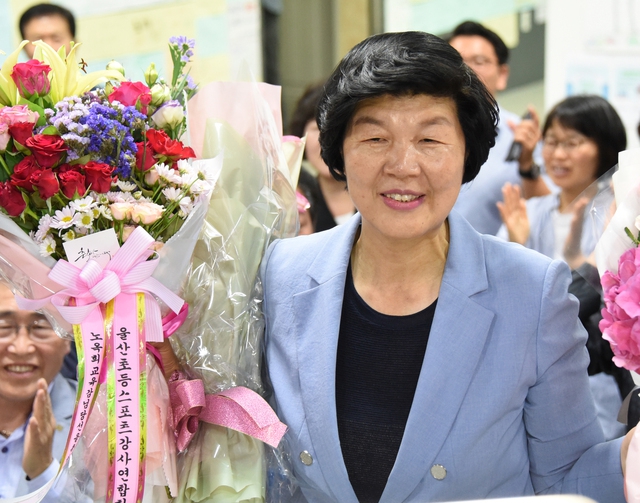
x,y
238,408
128,271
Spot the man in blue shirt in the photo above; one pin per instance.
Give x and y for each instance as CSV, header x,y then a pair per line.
x,y
487,55
36,402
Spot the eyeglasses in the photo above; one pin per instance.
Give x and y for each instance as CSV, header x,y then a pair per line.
x,y
568,146
39,330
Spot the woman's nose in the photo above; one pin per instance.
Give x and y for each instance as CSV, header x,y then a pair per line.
x,y
404,159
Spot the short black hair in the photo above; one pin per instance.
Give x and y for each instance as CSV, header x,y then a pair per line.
x,y
594,117
306,108
47,9
471,28
400,64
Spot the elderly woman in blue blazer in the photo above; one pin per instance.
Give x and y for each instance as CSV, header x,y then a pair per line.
x,y
412,358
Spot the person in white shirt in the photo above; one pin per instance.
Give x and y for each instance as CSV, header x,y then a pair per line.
x,y
36,402
487,55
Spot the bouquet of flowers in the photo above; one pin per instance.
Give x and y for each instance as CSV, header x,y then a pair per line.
x,y
618,259
97,186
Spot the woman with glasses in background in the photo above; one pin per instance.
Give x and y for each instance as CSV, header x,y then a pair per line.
x,y
582,136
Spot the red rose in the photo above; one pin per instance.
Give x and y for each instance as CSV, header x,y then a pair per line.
x,y
31,78
22,172
166,149
144,156
132,94
72,182
46,183
11,199
98,176
162,144
47,149
21,131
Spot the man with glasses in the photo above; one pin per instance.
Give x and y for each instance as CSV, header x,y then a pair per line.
x,y
487,55
36,402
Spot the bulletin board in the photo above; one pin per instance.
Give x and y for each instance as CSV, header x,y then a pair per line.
x,y
136,33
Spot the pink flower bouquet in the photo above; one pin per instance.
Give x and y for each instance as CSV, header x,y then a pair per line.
x,y
618,259
108,223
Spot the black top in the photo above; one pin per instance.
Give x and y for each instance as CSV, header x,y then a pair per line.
x,y
378,364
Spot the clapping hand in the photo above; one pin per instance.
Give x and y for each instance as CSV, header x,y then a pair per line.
x,y
572,249
513,211
38,439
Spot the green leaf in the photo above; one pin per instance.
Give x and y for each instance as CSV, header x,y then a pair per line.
x,y
81,160
50,130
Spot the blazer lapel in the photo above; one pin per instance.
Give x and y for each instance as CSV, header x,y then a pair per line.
x,y
458,334
317,314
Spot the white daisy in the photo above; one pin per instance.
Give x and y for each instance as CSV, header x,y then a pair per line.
x,y
69,235
105,211
168,174
48,246
200,187
126,186
85,220
43,227
172,193
186,205
84,204
64,218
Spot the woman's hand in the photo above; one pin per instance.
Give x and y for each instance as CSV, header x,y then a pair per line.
x,y
513,211
572,249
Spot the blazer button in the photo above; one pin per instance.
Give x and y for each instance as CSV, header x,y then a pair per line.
x,y
438,472
306,458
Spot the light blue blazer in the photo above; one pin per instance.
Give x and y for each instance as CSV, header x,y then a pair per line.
x,y
502,406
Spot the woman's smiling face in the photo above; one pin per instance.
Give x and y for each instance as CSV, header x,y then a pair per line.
x,y
570,158
404,161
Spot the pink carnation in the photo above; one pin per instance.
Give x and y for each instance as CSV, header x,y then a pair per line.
x,y
620,323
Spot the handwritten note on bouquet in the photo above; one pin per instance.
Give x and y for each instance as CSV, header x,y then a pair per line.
x,y
100,246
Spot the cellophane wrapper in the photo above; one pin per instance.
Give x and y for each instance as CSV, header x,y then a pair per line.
x,y
87,467
212,263
221,341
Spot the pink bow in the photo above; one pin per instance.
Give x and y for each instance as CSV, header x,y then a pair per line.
x,y
128,271
237,408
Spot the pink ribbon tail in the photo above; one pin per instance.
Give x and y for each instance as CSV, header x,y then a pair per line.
x,y
238,408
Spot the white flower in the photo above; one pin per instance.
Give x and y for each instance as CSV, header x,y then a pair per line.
x,y
85,220
84,204
168,174
69,235
119,197
200,187
48,246
637,223
64,218
186,205
184,166
43,227
171,115
126,186
172,193
105,211
207,171
188,178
